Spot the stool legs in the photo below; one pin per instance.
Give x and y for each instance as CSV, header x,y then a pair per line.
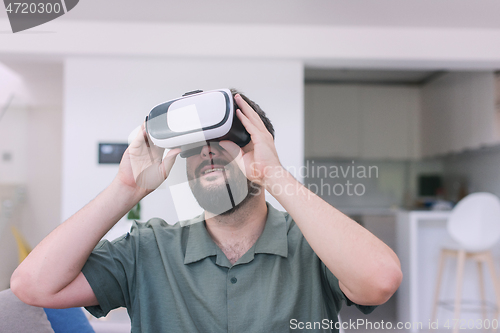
x,y
496,286
481,288
480,258
442,258
458,291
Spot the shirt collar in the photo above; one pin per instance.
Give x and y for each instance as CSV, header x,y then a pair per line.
x,y
274,237
272,241
199,245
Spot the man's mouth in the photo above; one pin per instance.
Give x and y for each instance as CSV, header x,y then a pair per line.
x,y
206,172
211,169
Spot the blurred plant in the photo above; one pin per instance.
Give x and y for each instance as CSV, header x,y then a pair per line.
x,y
135,213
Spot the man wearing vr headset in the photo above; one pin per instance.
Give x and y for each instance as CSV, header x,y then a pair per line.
x,y
243,268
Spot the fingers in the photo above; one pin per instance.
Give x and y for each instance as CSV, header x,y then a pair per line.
x,y
245,107
249,126
141,143
173,152
136,137
249,113
145,135
236,153
232,148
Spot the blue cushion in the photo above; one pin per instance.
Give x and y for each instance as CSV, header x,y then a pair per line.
x,y
69,320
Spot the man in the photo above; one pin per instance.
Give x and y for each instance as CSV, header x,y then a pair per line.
x,y
247,268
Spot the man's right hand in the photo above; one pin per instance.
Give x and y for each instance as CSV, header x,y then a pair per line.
x,y
51,274
142,168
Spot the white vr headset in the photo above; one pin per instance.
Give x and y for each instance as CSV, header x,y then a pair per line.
x,y
193,120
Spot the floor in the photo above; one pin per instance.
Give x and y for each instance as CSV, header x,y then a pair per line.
x,y
118,322
423,331
385,314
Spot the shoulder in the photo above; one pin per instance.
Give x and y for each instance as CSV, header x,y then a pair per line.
x,y
156,225
297,244
159,230
149,234
294,234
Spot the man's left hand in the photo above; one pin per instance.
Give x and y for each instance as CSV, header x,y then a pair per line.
x,y
259,159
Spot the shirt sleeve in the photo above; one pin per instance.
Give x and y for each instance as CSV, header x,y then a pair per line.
x,y
338,294
110,271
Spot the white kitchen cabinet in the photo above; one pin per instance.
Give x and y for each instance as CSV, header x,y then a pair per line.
x,y
362,121
454,112
387,121
332,121
458,112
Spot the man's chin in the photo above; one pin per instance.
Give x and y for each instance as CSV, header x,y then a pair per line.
x,y
225,207
217,199
221,193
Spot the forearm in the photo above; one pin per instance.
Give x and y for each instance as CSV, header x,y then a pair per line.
x,y
368,270
59,258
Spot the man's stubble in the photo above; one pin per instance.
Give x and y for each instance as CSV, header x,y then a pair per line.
x,y
223,198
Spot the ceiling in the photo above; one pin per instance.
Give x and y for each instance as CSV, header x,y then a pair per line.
x,y
381,13
456,14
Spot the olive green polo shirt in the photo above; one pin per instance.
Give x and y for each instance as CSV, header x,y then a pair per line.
x,y
176,279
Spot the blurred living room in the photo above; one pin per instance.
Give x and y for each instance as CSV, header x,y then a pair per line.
x,y
388,110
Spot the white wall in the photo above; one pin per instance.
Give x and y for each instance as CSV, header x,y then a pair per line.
x,y
41,145
13,130
13,142
106,98
32,135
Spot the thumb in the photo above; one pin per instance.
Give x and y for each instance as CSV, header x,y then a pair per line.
x,y
236,153
168,161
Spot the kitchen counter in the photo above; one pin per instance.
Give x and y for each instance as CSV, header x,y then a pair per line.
x,y
350,211
420,235
411,250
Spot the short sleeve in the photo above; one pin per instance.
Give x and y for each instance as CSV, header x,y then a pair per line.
x,y
338,294
110,271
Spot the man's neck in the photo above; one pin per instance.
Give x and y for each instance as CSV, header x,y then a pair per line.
x,y
237,232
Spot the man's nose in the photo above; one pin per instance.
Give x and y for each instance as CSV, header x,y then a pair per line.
x,y
210,150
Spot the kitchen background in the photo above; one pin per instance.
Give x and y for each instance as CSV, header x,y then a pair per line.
x,y
365,146
429,138
410,96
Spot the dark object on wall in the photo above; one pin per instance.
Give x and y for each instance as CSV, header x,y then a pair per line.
x,y
111,153
428,185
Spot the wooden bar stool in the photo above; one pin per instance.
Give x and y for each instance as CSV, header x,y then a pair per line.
x,y
474,225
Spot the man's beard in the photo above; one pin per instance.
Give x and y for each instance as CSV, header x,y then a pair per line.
x,y
223,198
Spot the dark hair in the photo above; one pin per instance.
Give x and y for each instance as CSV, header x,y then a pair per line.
x,y
257,109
